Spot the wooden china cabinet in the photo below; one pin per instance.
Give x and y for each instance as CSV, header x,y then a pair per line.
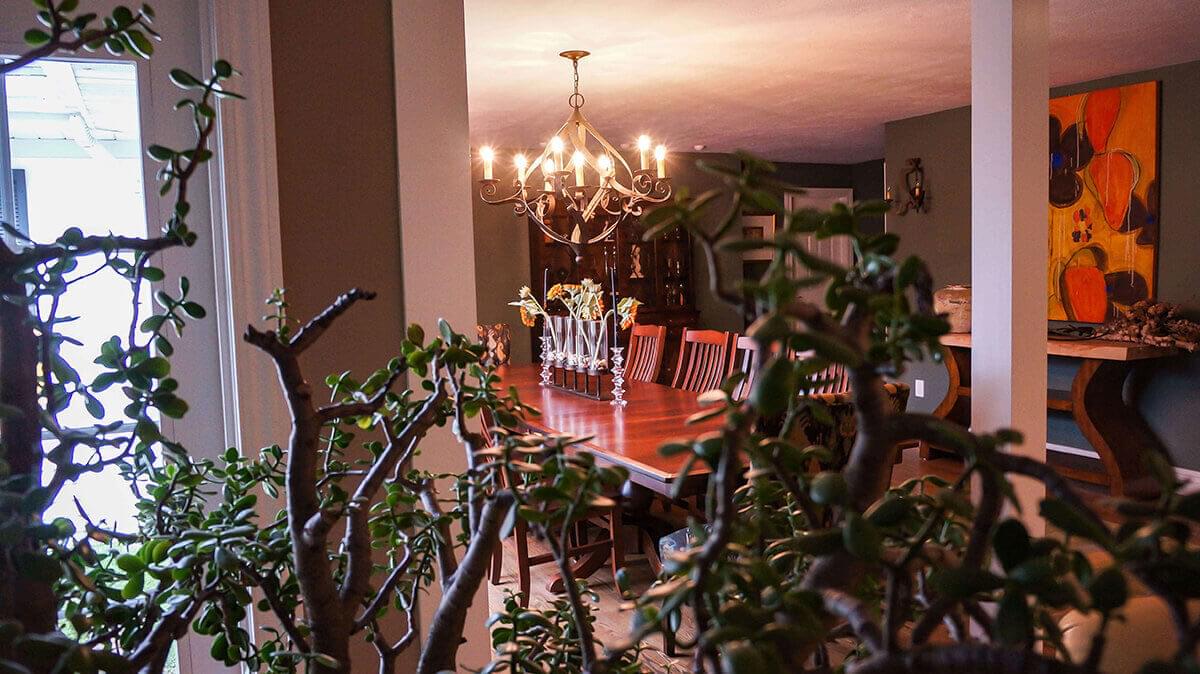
x,y
657,272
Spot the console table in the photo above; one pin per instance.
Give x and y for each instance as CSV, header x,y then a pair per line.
x,y
1113,426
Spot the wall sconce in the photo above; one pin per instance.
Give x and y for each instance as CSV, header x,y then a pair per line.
x,y
914,183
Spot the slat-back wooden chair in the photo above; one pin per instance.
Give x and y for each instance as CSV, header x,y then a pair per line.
x,y
744,357
644,360
591,555
703,360
832,380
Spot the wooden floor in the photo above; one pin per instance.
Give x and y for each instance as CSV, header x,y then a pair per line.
x,y
612,623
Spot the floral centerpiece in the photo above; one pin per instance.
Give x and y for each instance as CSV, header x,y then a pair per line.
x,y
579,340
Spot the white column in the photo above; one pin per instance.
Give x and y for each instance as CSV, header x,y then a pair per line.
x,y
1009,165
437,239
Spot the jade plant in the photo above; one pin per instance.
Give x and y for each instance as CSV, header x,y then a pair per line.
x,y
797,568
363,533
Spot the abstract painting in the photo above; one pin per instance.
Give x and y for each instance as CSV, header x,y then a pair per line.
x,y
1103,201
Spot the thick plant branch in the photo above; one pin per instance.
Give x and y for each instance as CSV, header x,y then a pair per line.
x,y
357,541
59,43
986,514
308,523
46,252
308,335
384,592
152,653
360,408
857,615
472,442
445,630
447,562
270,590
587,640
400,445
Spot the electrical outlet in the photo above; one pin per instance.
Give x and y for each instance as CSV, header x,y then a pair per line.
x,y
919,388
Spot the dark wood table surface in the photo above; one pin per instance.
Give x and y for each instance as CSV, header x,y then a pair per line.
x,y
625,436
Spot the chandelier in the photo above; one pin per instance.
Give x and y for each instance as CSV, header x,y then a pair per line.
x,y
583,192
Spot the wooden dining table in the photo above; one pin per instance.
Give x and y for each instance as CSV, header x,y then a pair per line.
x,y
628,436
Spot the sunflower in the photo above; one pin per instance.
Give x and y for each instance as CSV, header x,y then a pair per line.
x,y
527,318
627,309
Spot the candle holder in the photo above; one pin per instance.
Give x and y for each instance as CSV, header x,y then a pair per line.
x,y
618,377
547,360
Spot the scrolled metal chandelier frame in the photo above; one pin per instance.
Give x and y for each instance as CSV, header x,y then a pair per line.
x,y
598,190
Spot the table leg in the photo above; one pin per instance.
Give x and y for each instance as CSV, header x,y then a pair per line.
x,y
590,564
1114,427
955,406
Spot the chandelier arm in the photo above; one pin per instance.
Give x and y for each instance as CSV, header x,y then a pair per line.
x,y
549,231
489,188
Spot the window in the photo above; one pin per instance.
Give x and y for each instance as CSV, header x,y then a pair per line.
x,y
72,157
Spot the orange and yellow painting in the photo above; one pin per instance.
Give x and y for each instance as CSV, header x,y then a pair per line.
x,y
1103,201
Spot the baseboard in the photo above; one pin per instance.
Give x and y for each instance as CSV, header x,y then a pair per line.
x,y
1190,478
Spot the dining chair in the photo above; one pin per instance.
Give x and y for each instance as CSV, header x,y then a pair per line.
x,y
592,554
703,360
833,379
744,357
644,360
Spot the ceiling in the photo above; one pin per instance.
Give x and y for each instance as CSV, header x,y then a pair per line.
x,y
791,80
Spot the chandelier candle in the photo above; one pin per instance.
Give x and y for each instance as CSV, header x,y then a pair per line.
x,y
486,154
584,213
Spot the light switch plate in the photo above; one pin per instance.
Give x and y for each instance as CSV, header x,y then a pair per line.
x,y
919,388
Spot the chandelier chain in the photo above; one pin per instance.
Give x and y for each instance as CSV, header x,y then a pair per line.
x,y
576,99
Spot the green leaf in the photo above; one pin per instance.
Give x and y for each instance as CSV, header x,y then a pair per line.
x,y
963,582
861,538
888,511
1108,589
1014,622
1011,542
742,657
156,367
184,80
828,488
1072,522
35,37
173,407
774,388
160,152
131,563
822,542
909,270
141,44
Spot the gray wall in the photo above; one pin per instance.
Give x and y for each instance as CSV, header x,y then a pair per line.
x,y
338,192
1168,391
501,261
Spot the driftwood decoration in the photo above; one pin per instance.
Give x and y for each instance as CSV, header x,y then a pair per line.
x,y
1157,323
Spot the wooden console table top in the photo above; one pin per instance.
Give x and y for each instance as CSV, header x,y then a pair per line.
x,y
1098,349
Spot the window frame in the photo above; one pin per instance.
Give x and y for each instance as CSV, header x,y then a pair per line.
x,y
246,258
